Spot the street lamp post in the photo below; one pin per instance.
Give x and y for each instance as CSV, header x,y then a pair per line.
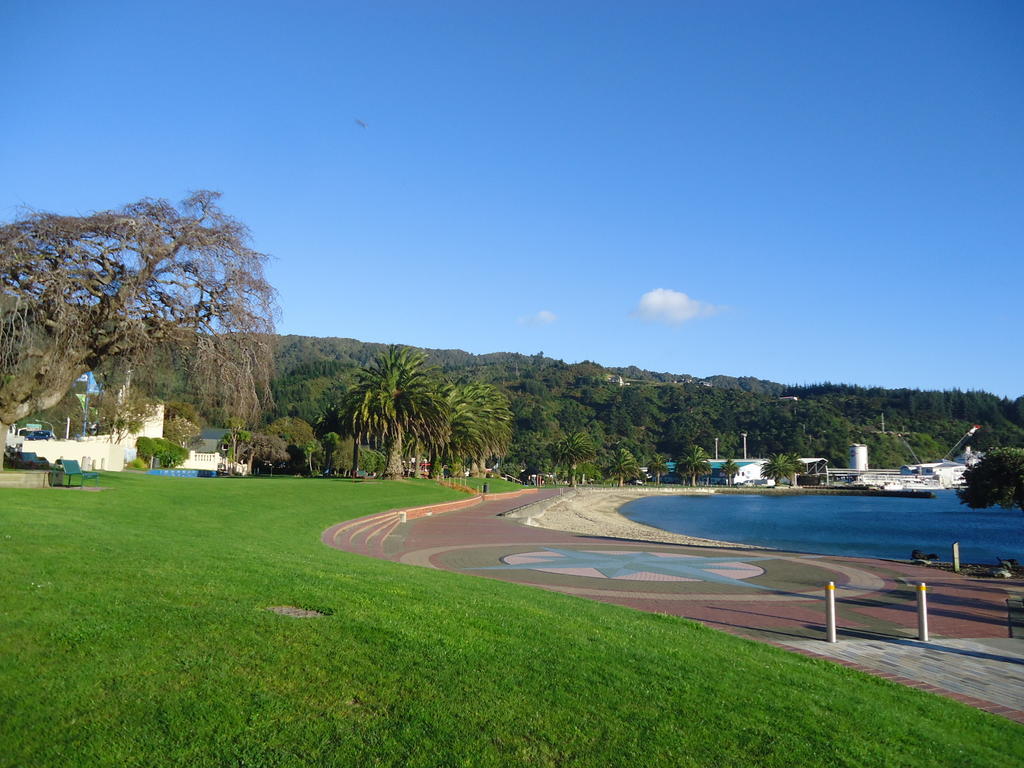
x,y
744,436
716,449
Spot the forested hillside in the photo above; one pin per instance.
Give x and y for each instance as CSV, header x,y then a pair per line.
x,y
666,413
648,413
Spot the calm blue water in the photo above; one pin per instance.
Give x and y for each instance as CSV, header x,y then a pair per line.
x,y
863,526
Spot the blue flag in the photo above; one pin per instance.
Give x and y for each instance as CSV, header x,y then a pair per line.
x,y
92,387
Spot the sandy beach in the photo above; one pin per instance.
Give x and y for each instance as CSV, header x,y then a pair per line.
x,y
596,513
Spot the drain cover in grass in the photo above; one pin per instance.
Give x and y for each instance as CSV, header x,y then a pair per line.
x,y
295,612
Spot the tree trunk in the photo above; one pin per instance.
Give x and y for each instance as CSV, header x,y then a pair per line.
x,y
393,470
572,476
355,456
3,445
39,389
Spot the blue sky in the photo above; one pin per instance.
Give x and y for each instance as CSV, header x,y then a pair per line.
x,y
799,191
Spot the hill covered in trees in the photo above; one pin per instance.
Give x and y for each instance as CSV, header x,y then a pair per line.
x,y
646,412
664,413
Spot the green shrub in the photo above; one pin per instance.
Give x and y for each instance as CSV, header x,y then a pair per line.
x,y
137,464
169,454
371,461
146,447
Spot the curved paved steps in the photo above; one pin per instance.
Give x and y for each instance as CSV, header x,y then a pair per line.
x,y
364,535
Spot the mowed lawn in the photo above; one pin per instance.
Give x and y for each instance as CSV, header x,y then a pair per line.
x,y
133,632
494,484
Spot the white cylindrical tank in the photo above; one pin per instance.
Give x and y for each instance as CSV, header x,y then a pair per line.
x,y
858,456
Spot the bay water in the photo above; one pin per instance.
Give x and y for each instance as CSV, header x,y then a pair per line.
x,y
861,526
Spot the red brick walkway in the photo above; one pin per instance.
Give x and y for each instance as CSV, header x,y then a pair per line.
x,y
766,595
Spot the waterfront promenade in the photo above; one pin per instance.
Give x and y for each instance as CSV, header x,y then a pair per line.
x,y
765,595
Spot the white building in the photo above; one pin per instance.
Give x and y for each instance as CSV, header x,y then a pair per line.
x,y
947,474
110,453
749,472
204,452
106,452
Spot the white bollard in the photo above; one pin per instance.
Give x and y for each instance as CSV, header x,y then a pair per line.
x,y
402,518
830,612
922,612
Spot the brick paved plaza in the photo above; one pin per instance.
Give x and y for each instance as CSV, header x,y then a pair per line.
x,y
765,595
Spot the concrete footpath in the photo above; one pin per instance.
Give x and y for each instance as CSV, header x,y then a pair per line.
x,y
766,595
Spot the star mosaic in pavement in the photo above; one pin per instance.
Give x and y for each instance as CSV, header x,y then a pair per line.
x,y
635,566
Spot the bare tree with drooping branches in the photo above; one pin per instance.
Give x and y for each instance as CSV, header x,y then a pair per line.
x,y
79,291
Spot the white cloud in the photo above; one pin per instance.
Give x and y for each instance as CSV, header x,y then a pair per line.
x,y
663,305
543,317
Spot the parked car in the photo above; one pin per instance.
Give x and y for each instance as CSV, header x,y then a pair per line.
x,y
39,434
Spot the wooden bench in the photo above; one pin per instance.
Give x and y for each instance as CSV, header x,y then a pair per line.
x,y
72,469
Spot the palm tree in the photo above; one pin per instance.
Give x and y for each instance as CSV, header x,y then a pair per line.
x,y
571,450
730,469
416,448
657,467
351,420
344,420
330,442
396,399
480,423
796,467
782,466
623,465
694,462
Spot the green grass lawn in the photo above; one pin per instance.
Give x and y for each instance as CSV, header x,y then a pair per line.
x,y
494,484
133,633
